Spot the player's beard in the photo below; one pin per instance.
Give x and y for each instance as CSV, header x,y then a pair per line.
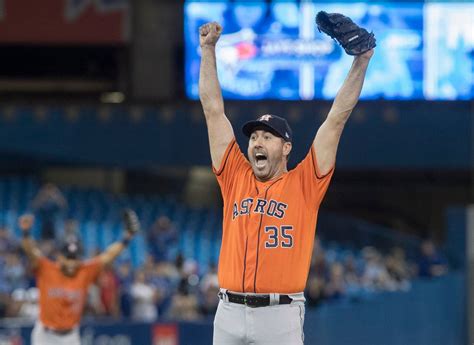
x,y
265,170
260,172
68,270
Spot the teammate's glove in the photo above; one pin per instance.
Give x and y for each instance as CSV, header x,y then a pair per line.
x,y
130,221
354,39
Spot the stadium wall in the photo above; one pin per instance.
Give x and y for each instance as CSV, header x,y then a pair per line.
x,y
411,135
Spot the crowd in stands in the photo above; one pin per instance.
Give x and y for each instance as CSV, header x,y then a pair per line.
x,y
170,286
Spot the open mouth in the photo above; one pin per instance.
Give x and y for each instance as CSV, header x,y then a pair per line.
x,y
260,160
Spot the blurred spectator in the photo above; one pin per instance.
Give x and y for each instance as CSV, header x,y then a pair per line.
x,y
184,305
352,276
336,286
375,276
109,292
124,275
318,260
431,262
165,279
4,297
186,267
161,238
49,203
94,305
209,289
7,243
125,279
25,303
190,269
14,272
179,263
398,268
144,298
314,290
149,265
210,278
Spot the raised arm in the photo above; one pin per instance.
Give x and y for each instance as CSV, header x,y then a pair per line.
x,y
218,126
114,250
131,227
28,245
327,138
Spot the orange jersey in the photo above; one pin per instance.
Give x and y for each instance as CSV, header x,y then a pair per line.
x,y
268,227
62,298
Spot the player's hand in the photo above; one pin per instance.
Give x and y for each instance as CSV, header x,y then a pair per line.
x,y
209,34
131,222
25,222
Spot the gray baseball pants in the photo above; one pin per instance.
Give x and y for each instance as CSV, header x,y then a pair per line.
x,y
238,324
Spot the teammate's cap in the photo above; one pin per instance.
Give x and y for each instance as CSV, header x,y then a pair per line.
x,y
272,123
71,249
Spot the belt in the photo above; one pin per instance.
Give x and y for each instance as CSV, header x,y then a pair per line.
x,y
254,301
60,332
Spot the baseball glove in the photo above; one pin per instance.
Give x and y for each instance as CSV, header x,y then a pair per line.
x,y
130,221
354,39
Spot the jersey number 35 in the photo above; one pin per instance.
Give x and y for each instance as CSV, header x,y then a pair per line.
x,y
279,237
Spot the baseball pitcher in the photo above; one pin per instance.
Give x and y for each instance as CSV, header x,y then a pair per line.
x,y
270,213
63,283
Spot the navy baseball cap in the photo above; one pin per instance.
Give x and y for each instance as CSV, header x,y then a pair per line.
x,y
71,248
271,123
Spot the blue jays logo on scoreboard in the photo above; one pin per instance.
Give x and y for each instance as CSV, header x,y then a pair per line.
x,y
74,8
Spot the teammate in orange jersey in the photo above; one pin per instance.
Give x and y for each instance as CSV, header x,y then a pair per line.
x,y
270,213
63,284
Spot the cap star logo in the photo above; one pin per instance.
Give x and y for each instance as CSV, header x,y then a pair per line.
x,y
287,135
265,118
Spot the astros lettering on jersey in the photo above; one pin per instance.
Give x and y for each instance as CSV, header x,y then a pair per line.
x,y
268,227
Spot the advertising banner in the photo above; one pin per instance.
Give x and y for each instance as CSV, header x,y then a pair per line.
x,y
64,21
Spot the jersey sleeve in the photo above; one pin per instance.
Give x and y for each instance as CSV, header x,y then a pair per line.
x,y
93,267
314,184
233,164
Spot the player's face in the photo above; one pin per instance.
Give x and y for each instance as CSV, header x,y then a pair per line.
x,y
267,154
69,267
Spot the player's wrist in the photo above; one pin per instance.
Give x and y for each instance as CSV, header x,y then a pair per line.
x,y
127,237
125,241
365,56
208,46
